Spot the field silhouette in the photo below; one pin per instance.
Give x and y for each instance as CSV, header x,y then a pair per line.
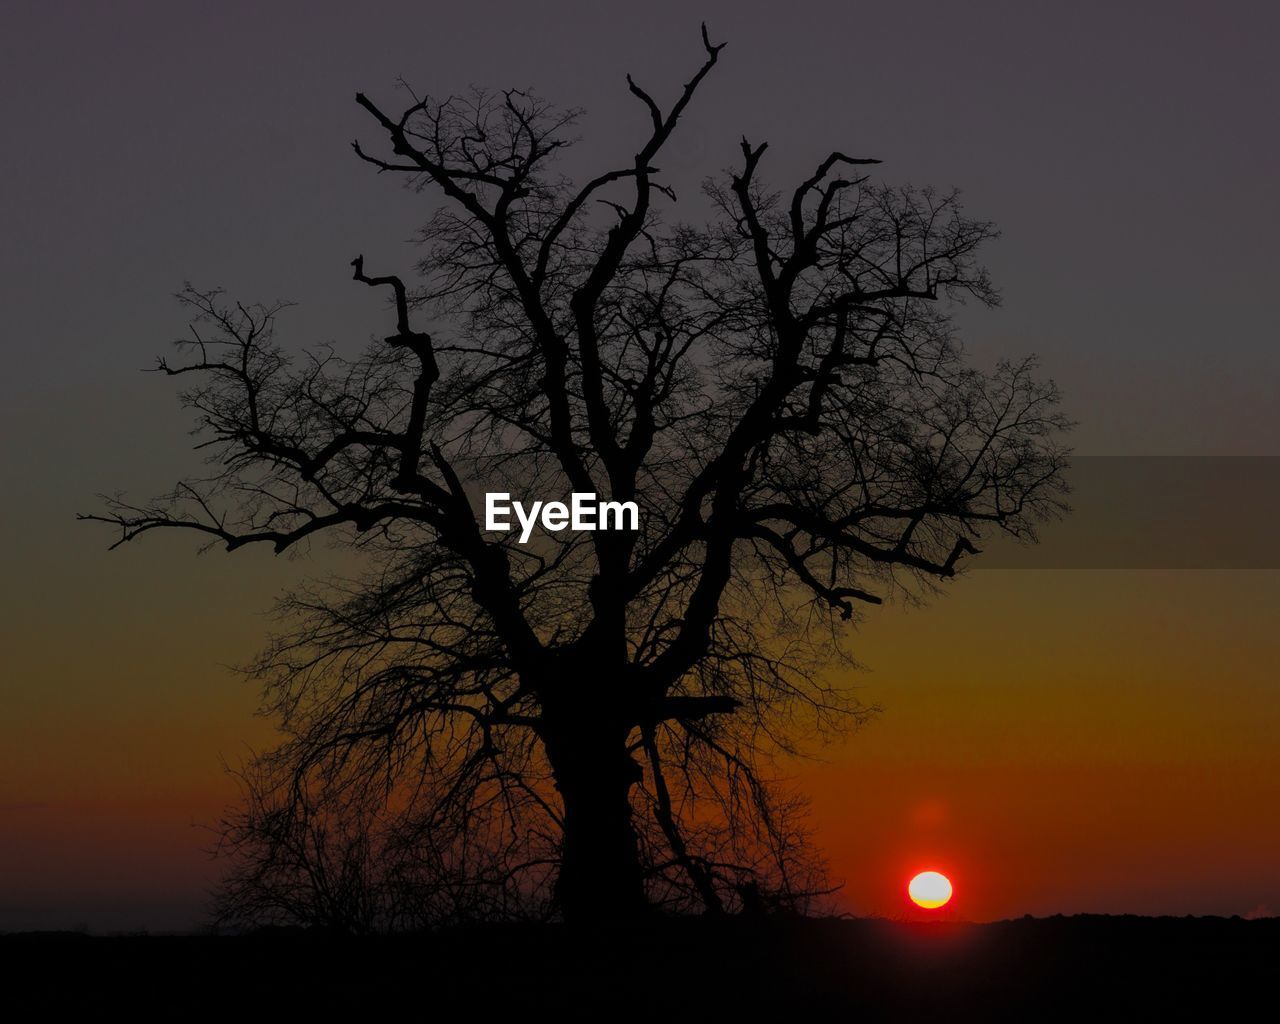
x,y
676,969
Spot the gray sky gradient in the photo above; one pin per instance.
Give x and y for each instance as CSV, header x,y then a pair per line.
x,y
1128,151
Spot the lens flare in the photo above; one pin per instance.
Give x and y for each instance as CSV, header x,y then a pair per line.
x,y
930,890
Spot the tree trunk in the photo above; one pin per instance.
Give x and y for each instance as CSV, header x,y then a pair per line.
x,y
600,878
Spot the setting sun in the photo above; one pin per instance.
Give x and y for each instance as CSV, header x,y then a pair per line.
x,y
930,890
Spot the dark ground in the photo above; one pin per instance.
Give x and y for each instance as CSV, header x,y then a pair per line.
x,y
1076,968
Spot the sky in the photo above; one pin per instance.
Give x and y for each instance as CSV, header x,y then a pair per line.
x,y
1058,740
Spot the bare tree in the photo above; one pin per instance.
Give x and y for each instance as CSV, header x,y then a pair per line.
x,y
592,715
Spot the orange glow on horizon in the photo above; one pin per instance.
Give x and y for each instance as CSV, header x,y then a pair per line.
x,y
930,890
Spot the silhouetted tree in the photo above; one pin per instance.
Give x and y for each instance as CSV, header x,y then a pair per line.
x,y
591,716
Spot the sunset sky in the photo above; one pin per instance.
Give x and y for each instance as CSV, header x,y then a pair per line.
x,y
1056,740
